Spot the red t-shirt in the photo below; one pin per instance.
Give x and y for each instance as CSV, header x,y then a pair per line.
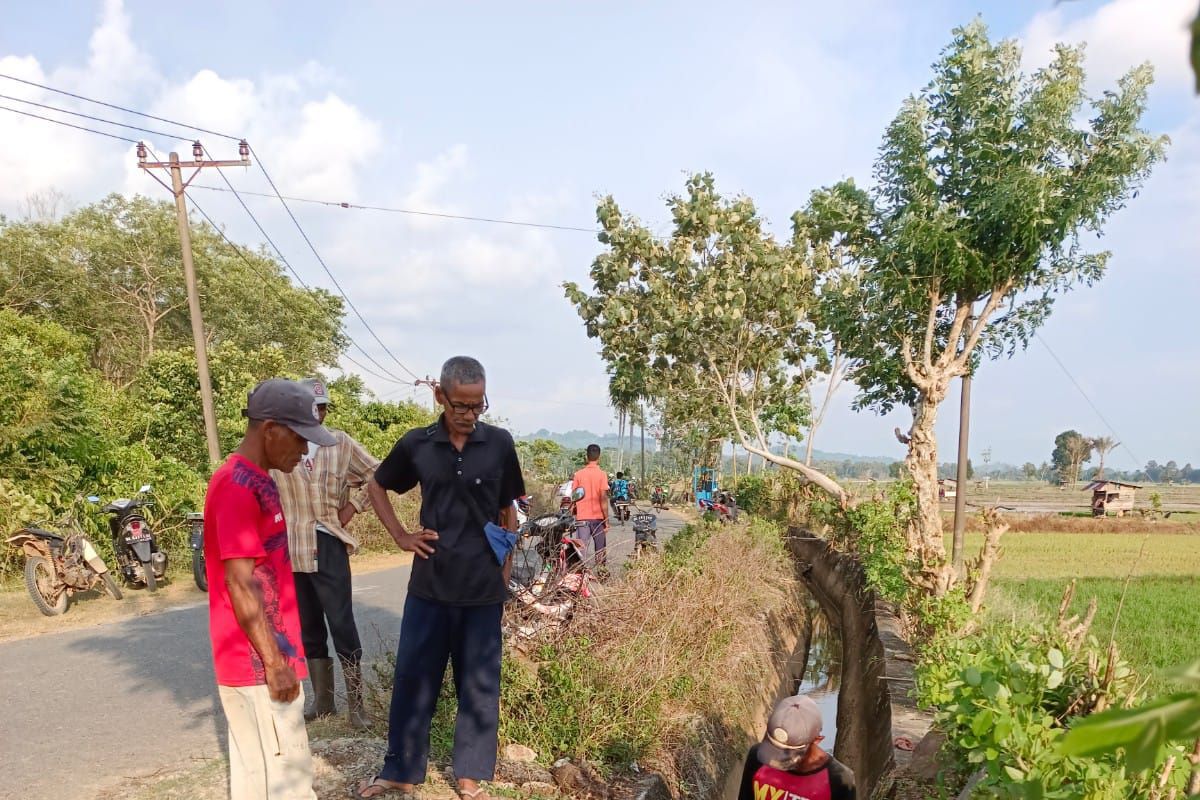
x,y
243,519
595,484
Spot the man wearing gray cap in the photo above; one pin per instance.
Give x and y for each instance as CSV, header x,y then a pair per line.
x,y
258,654
319,499
788,764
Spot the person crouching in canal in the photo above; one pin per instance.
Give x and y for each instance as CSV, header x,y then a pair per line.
x,y
789,762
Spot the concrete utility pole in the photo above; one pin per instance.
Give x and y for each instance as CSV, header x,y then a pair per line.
x,y
432,384
960,491
642,479
178,188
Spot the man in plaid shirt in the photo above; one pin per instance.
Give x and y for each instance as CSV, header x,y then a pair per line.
x,y
318,503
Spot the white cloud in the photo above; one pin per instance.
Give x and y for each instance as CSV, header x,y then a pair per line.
x,y
1119,35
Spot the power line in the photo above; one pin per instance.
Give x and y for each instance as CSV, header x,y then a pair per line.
x,y
1136,461
119,108
391,210
325,267
68,124
262,276
94,119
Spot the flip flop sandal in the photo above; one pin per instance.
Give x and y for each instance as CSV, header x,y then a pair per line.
x,y
385,791
474,794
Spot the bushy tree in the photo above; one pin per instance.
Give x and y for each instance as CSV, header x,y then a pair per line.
x,y
986,188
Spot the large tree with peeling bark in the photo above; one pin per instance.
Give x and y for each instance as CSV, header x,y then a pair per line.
x,y
987,187
720,310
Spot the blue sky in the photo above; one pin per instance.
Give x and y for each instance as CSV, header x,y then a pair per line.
x,y
529,110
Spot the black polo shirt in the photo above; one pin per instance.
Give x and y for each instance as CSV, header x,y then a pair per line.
x,y
462,570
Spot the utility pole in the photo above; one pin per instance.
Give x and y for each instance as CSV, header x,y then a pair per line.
x,y
960,490
432,384
178,188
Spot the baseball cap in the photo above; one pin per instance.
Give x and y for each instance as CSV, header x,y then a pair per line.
x,y
794,724
317,386
290,403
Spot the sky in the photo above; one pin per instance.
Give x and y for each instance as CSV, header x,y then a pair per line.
x,y
531,111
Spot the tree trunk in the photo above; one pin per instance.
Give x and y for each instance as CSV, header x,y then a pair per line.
x,y
925,537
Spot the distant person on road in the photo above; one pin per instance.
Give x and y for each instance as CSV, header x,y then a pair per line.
x,y
469,477
789,762
318,504
620,488
253,620
592,510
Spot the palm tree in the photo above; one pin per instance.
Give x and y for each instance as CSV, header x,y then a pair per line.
x,y
1103,446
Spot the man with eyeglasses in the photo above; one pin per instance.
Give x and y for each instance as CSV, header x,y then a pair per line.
x,y
469,476
789,763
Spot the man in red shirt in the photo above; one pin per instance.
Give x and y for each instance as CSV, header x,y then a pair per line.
x,y
253,620
592,510
789,765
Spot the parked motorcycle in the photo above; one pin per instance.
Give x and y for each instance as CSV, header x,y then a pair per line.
x,y
59,564
197,542
645,533
720,510
138,556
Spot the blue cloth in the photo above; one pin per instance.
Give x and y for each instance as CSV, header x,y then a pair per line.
x,y
469,638
501,540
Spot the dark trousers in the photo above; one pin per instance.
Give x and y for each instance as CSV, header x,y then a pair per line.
x,y
430,634
323,596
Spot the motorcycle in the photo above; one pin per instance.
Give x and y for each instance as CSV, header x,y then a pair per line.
x,y
658,498
720,510
621,509
549,571
199,572
645,533
59,564
138,556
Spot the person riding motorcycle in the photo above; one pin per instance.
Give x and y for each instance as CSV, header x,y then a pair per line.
x,y
618,490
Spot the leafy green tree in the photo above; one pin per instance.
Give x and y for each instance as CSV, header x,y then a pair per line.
x,y
1029,470
720,311
985,189
112,273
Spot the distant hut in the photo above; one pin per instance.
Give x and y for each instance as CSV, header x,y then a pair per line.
x,y
1111,497
947,488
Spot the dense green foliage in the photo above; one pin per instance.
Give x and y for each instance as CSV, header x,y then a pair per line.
x,y
100,378
1005,698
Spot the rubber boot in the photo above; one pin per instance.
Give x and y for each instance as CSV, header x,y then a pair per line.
x,y
352,675
320,672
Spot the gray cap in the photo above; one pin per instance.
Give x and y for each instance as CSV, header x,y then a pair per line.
x,y
794,725
290,403
317,387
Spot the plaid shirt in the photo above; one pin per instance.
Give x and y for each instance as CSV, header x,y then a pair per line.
x,y
313,492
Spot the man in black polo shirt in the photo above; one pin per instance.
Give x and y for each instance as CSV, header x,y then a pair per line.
x,y
469,475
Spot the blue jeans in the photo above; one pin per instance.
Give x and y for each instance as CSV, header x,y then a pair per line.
x,y
430,634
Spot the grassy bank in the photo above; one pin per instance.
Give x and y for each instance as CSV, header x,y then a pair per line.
x,y
677,652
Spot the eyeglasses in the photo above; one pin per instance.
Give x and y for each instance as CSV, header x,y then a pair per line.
x,y
466,408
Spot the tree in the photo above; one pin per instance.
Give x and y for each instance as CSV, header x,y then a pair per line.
x,y
1079,452
1170,472
719,311
1103,445
1029,470
984,190
112,274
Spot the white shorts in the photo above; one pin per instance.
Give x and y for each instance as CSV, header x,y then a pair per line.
x,y
269,757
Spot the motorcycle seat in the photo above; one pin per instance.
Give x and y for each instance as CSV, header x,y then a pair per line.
x,y
42,533
117,505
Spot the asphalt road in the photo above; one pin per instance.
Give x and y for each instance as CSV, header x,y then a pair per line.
x,y
84,709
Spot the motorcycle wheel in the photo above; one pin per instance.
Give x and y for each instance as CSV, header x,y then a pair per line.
x,y
198,571
40,573
148,577
110,586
